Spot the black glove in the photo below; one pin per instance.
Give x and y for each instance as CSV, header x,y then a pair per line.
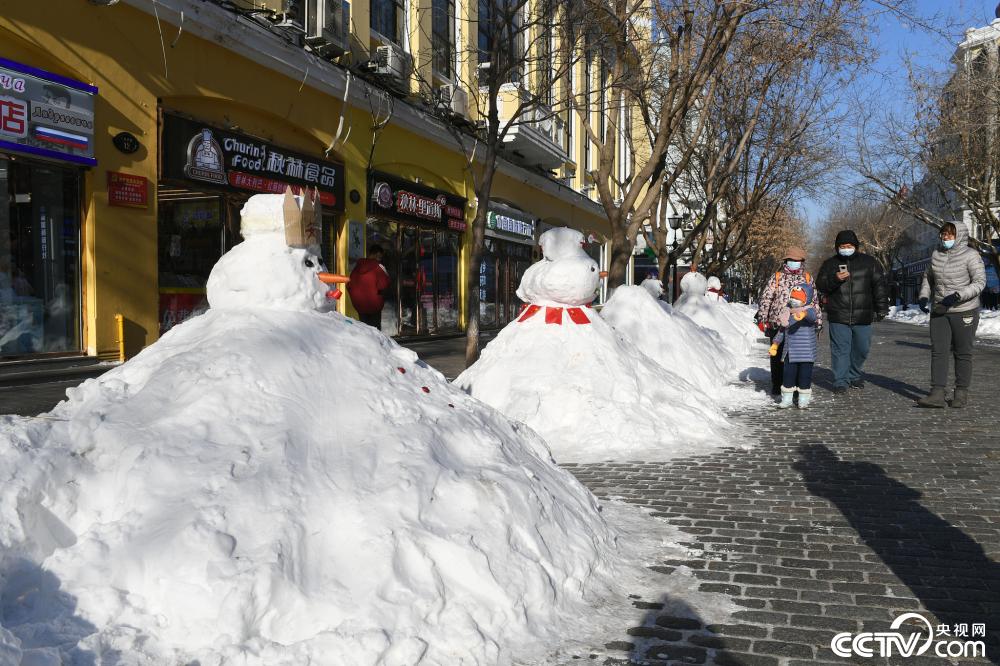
x,y
950,300
923,304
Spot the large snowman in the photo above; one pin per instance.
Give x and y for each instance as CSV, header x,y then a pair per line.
x,y
270,483
566,373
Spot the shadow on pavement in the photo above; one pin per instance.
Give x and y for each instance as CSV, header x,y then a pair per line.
x,y
917,345
946,570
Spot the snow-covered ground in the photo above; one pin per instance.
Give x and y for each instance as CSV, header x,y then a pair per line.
x,y
271,483
989,320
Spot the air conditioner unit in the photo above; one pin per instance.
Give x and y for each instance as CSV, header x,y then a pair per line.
x,y
327,26
453,98
292,16
394,64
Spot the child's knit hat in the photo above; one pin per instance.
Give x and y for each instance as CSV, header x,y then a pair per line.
x,y
800,293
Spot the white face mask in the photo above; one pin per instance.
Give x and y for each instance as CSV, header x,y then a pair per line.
x,y
795,303
845,251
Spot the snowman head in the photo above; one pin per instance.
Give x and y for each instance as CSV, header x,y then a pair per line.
x,y
694,284
277,266
566,275
714,283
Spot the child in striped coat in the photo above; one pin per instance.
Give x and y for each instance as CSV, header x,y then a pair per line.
x,y
798,331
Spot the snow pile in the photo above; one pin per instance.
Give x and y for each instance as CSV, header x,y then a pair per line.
x,y
673,340
588,391
738,335
267,485
989,320
654,288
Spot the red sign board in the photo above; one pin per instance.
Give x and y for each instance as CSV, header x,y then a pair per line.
x,y
248,181
125,189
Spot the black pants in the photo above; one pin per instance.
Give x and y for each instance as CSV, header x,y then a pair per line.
x,y
373,319
777,366
953,335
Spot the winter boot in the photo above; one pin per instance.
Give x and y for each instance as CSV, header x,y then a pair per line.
x,y
935,399
961,398
805,397
787,394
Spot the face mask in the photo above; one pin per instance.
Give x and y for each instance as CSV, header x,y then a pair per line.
x,y
793,265
795,303
845,251
948,244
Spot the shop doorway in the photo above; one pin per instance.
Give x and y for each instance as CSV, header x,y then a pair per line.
x,y
39,258
423,266
500,273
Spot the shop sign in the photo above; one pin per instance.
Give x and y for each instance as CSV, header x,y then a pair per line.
x,y
197,151
510,221
125,189
406,201
46,114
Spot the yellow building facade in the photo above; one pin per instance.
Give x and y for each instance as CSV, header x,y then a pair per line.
x,y
156,121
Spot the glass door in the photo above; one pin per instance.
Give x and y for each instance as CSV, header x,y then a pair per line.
x,y
408,283
446,278
39,258
426,315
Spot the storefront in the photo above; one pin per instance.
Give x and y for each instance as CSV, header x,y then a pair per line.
x,y
507,253
46,140
420,231
206,175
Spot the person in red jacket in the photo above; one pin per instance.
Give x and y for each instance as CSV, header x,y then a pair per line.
x,y
369,280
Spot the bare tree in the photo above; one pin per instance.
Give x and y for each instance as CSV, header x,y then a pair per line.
x,y
772,228
511,68
945,162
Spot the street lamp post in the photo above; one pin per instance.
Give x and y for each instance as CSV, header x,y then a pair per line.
x,y
675,222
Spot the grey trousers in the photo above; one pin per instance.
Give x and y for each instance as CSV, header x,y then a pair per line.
x,y
953,335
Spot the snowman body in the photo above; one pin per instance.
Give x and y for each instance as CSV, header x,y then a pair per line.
x,y
567,277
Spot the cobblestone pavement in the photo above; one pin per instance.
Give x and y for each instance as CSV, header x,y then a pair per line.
x,y
840,518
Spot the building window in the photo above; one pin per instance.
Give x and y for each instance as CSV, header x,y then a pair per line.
x,y
499,39
443,37
385,19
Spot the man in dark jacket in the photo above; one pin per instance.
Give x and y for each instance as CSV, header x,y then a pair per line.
x,y
369,280
856,292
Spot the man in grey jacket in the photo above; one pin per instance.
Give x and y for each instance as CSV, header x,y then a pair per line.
x,y
952,285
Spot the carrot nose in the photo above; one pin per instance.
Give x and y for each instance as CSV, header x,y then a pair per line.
x,y
603,274
332,278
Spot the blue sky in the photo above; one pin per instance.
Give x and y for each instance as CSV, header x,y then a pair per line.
x,y
896,41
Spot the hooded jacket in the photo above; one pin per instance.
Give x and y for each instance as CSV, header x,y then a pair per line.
x,y
798,330
775,297
958,270
368,280
856,301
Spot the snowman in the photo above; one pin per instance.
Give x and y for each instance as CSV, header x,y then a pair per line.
x,y
738,334
592,394
566,279
713,290
278,264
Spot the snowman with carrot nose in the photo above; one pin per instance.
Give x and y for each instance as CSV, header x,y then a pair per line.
x,y
797,329
278,265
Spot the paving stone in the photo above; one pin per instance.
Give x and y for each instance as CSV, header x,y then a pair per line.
x,y
833,522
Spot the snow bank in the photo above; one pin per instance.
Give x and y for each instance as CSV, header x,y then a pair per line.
x,y
738,335
592,394
672,340
279,487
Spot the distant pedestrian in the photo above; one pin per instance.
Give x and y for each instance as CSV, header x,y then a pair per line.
x,y
796,339
856,292
367,286
951,286
775,297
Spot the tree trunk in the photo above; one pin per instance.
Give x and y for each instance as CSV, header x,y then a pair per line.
x,y
475,260
621,254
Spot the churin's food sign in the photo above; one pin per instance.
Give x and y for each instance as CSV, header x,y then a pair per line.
x,y
197,151
46,114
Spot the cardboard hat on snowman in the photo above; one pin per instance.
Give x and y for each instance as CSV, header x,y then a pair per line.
x,y
277,266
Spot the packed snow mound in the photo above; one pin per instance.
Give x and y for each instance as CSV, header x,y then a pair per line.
x,y
673,340
592,394
276,487
567,275
653,287
715,315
